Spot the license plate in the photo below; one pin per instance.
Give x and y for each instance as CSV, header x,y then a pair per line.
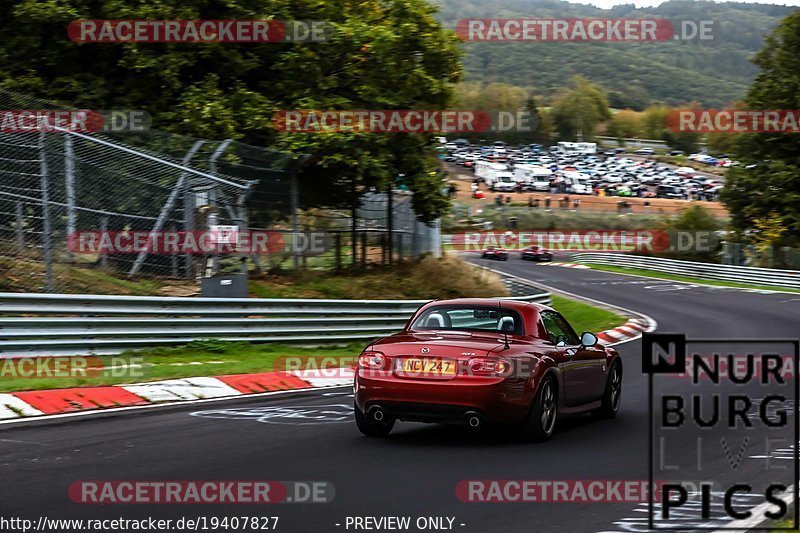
x,y
428,367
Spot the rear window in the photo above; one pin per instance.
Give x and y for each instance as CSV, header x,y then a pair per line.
x,y
470,318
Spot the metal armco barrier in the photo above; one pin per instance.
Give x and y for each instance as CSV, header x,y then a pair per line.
x,y
738,274
102,325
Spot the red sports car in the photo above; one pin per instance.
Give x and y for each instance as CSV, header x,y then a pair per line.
x,y
495,253
536,253
473,361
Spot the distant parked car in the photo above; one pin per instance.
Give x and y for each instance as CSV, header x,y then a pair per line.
x,y
669,191
644,151
676,152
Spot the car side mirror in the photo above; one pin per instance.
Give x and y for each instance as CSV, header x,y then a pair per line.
x,y
588,339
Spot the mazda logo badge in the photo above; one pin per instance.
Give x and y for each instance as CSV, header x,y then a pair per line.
x,y
425,350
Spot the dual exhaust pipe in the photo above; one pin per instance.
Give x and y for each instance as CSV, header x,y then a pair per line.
x,y
472,419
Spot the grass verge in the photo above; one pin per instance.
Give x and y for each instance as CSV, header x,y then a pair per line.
x,y
586,317
427,278
687,279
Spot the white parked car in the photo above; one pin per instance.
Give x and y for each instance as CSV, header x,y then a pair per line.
x,y
504,183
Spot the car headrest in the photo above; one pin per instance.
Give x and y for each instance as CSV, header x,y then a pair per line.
x,y
506,323
435,321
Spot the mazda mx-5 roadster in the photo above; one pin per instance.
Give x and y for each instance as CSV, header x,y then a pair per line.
x,y
485,362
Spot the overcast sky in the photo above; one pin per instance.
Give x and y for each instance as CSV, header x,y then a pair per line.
x,y
648,3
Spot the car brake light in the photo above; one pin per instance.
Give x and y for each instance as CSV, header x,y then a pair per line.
x,y
488,367
371,360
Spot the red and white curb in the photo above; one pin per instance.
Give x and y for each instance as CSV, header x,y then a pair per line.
x,y
18,405
630,330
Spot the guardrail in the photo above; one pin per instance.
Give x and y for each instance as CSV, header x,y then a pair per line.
x,y
104,325
738,274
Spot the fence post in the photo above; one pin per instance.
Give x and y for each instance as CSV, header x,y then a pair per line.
x,y
69,176
188,225
46,227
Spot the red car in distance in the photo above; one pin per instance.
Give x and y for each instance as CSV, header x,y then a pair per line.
x,y
492,252
536,253
476,361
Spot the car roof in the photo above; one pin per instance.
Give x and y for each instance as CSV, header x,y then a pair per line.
x,y
492,302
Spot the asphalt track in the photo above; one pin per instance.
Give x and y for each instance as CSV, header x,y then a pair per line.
x,y
310,436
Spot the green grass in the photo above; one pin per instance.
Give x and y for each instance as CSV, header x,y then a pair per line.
x,y
688,279
200,358
585,317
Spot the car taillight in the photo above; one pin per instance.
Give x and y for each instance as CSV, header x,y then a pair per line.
x,y
371,360
488,367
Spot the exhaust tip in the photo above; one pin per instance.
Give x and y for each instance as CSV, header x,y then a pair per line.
x,y
378,414
473,420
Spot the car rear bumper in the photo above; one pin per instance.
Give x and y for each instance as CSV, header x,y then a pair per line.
x,y
493,399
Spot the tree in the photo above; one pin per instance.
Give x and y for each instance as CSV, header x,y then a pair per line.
x,y
578,112
625,123
654,121
380,55
685,141
770,188
719,143
541,120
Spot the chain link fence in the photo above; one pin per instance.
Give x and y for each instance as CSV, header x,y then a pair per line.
x,y
59,186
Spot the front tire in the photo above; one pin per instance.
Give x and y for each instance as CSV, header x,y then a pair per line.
x,y
612,394
540,423
369,427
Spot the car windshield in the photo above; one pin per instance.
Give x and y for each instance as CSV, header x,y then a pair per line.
x,y
469,318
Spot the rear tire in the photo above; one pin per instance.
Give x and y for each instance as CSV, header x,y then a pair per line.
x,y
540,423
370,427
612,394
